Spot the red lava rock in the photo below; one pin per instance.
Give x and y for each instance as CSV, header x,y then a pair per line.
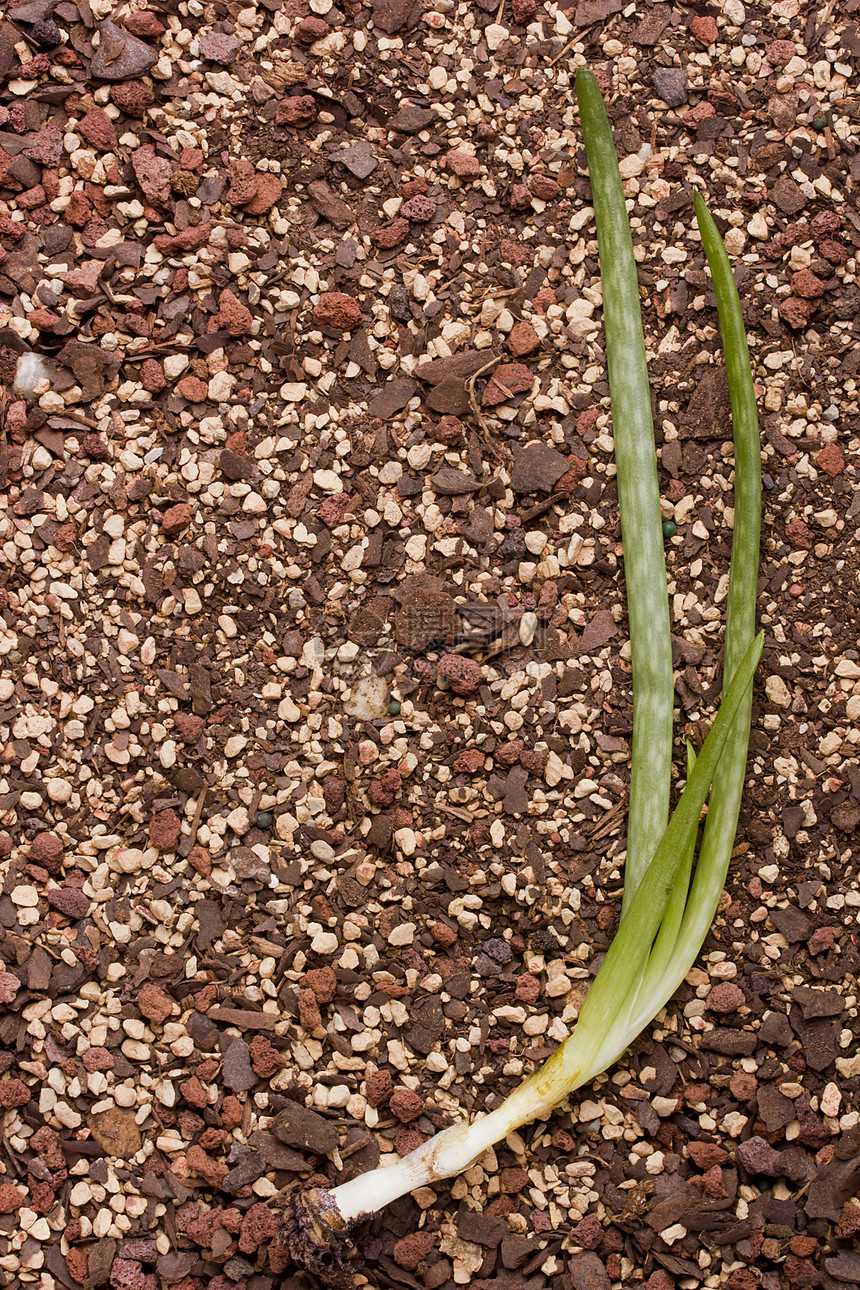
x,y
713,1185
204,999
522,339
821,940
830,460
199,859
588,1232
46,1143
528,988
471,760
705,1155
806,284
42,1197
803,1246
13,1092
743,1086
176,518
660,1280
132,97
99,130
243,182
323,982
9,987
190,728
833,250
451,431
127,1274
194,1092
93,446
758,1157
544,186
508,380
11,1198
522,11
406,1105
331,510
411,1251
98,1059
212,1171
796,312
413,187
32,198
849,1221
407,1140
69,900
799,534
532,761
258,1225
231,1112
164,829
154,1003
43,319
309,1013
77,1264
500,1207
463,675
269,190
704,29
779,52
152,376
265,1058
520,198
47,850
152,174
378,1086
509,754
419,209
233,315
725,997
384,790
463,163
337,309
513,1181
143,22
218,47
193,389
310,29
443,934
299,110
334,793
391,235
78,212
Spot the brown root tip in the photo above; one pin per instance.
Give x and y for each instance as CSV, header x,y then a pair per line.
x,y
318,1237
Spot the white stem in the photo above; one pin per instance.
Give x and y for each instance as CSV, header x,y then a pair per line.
x,y
449,1152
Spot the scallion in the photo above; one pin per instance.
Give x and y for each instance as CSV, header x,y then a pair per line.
x,y
669,904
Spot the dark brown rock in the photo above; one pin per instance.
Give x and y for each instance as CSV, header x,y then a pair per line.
x,y
218,47
537,469
120,56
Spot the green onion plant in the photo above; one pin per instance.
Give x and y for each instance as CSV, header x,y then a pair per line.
x,y
670,896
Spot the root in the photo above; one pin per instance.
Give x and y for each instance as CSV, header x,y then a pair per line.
x,y
318,1237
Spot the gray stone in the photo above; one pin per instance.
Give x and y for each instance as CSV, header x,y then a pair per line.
x,y
670,84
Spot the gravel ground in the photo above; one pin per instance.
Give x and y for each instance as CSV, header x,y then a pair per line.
x,y
315,713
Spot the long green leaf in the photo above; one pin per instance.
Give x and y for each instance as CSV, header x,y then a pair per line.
x,y
638,495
